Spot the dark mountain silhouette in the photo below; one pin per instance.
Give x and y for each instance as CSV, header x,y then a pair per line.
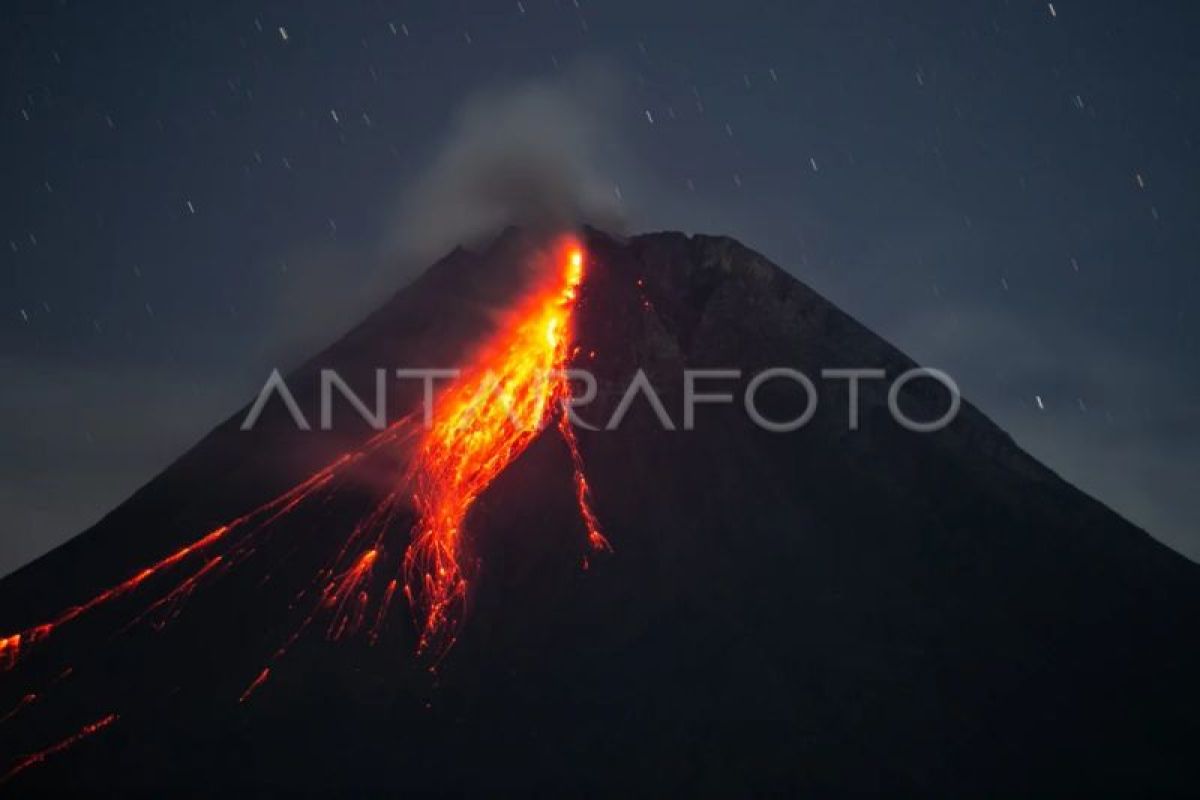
x,y
825,610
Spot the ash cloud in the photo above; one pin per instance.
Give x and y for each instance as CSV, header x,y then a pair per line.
x,y
532,154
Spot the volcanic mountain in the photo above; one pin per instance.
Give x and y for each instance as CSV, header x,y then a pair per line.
x,y
724,609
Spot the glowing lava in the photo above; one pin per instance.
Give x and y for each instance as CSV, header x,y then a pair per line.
x,y
33,759
480,425
11,646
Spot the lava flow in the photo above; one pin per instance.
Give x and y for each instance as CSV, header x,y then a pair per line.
x,y
480,425
12,646
482,422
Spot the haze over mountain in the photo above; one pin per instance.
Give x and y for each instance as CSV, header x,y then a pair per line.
x,y
828,609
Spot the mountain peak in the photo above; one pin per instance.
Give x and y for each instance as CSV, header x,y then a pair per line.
x,y
853,607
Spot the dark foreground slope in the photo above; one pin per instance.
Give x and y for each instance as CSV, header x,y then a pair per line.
x,y
825,609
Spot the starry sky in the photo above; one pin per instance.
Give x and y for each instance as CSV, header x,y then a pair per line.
x,y
194,193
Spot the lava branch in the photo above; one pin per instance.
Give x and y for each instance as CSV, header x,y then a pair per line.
x,y
583,492
33,759
256,521
343,592
14,646
480,425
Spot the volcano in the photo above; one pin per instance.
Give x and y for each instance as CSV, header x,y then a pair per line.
x,y
719,609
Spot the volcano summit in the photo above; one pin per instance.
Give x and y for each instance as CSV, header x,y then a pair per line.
x,y
505,600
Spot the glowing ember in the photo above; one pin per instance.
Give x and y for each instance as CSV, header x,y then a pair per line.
x,y
480,425
25,701
10,649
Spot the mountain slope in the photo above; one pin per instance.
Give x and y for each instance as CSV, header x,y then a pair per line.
x,y
825,609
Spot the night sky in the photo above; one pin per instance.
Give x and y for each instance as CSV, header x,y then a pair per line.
x,y
194,193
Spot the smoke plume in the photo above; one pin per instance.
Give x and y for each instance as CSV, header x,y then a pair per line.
x,y
530,154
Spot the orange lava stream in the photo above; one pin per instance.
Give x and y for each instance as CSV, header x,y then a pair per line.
x,y
12,646
34,759
583,492
480,425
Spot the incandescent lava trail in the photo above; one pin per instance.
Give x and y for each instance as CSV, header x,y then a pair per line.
x,y
515,387
33,759
480,425
12,646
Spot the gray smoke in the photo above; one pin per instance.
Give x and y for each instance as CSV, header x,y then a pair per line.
x,y
532,155
541,154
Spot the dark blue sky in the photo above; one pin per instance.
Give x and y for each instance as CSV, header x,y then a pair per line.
x,y
1007,190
